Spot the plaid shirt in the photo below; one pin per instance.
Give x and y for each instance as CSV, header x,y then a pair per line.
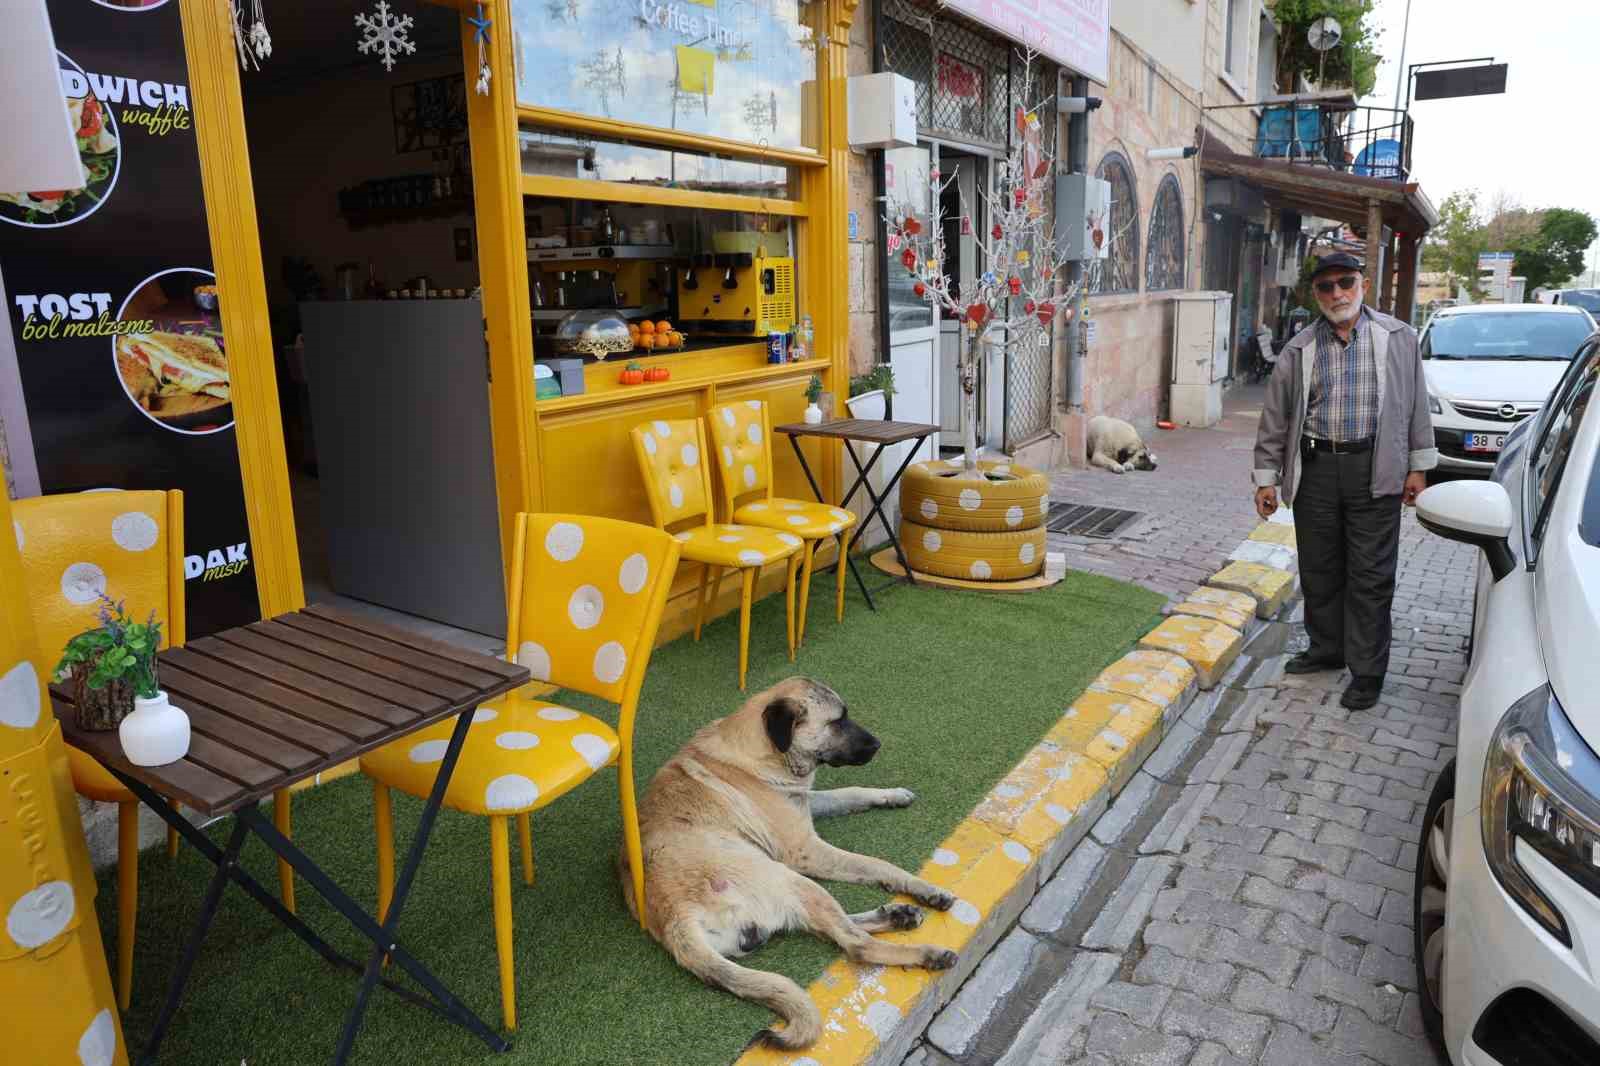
x,y
1343,404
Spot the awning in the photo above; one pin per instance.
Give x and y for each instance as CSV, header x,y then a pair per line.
x,y
1324,192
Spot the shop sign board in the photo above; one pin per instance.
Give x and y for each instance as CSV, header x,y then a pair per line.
x,y
113,305
1074,33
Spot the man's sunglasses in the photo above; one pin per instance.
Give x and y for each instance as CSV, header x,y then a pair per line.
x,y
1346,283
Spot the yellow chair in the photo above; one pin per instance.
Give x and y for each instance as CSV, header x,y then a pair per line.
x,y
586,601
742,432
678,485
128,545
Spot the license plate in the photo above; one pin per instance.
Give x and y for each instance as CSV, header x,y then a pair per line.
x,y
1483,442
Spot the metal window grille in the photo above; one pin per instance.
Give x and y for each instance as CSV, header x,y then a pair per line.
x,y
967,86
1164,265
1119,271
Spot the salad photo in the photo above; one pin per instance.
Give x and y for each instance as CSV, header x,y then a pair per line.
x,y
100,152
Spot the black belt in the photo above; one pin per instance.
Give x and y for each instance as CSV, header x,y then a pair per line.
x,y
1312,445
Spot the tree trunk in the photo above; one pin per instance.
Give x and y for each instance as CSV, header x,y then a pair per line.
x,y
969,405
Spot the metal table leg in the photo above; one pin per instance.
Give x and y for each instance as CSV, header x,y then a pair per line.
x,y
877,503
250,820
817,492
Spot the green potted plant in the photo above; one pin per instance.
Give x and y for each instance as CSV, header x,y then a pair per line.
x,y
872,393
109,665
813,394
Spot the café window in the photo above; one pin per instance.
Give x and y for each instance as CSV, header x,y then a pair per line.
x,y
565,154
743,70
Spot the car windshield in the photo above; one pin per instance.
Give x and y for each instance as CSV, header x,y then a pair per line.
x,y
1507,335
1588,299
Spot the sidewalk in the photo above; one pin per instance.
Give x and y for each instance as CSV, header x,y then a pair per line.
x,y
1247,899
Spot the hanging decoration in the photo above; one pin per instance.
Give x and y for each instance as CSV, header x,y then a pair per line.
x,y
480,25
254,44
385,34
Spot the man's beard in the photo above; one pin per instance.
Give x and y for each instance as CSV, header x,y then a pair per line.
x,y
1340,315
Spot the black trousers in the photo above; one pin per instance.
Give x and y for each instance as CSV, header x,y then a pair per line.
x,y
1349,544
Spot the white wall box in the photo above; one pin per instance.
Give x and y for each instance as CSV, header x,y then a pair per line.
x,y
882,111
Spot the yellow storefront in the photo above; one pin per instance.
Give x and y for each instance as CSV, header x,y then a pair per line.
x,y
543,168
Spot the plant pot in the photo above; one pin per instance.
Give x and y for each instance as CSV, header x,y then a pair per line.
x,y
813,414
100,710
156,733
871,404
825,402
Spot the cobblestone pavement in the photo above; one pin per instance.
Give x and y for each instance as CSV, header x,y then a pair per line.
x,y
1247,899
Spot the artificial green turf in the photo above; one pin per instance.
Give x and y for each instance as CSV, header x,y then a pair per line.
x,y
957,685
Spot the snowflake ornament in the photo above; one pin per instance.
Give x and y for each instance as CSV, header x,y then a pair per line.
x,y
385,34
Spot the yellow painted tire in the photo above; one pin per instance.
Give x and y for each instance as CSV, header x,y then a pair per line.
x,y
959,553
1009,498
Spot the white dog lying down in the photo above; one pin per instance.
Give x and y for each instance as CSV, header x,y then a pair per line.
x,y
1115,445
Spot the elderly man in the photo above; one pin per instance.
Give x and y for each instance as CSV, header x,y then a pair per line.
x,y
1345,433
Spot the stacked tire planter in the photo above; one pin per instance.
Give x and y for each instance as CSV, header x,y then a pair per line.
x,y
987,528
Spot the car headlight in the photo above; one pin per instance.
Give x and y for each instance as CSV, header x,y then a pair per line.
x,y
1541,785
1434,405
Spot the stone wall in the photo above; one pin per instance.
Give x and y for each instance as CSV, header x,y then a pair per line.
x,y
865,258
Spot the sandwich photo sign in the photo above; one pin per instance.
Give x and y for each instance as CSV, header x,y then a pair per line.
x,y
114,309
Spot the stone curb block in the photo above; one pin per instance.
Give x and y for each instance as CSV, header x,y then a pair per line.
x,y
1208,645
1269,587
995,860
1274,555
1275,533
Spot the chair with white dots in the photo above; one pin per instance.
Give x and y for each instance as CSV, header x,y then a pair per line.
x,y
129,546
678,485
586,596
742,432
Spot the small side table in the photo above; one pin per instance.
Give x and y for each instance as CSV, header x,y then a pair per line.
x,y
875,431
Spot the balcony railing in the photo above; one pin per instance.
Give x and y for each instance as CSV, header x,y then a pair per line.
x,y
1372,142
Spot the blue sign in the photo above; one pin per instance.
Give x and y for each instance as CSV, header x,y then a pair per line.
x,y
852,225
1380,159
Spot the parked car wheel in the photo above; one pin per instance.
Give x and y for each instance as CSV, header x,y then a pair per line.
x,y
1429,904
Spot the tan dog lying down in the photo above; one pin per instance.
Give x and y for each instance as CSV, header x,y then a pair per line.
x,y
1115,445
730,851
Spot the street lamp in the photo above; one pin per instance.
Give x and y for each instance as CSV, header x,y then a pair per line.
x,y
1186,152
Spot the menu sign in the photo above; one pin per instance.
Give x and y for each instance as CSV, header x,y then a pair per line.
x,y
113,304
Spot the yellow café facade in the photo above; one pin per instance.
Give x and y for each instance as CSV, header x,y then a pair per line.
x,y
549,174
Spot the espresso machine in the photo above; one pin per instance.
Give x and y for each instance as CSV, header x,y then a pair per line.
x,y
747,294
634,280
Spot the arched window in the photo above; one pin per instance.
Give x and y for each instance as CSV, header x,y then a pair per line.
x,y
1119,270
1164,263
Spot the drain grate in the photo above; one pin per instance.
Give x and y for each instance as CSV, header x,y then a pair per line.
x,y
1086,520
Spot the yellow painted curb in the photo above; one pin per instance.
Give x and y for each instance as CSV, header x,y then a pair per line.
x,y
1215,611
1157,677
1274,533
994,860
1209,646
1268,586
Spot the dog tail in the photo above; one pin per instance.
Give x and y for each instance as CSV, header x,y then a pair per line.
x,y
688,944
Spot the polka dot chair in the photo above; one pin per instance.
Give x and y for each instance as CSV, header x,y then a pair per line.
x,y
678,485
586,596
128,545
742,433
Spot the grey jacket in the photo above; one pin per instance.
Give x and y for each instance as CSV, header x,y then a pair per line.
x,y
1405,439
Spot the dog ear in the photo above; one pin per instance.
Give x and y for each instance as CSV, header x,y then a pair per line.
x,y
780,717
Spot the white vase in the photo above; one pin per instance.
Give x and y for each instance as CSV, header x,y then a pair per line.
x,y
156,733
813,414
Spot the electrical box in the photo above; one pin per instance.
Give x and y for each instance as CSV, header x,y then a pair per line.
x,y
1083,217
882,111
1202,331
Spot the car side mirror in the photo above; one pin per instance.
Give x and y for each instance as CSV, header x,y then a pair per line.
x,y
1471,512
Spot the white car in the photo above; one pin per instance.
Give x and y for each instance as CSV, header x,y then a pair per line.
x,y
1588,299
1507,900
1488,367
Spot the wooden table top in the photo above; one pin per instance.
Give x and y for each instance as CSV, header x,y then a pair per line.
x,y
870,430
276,702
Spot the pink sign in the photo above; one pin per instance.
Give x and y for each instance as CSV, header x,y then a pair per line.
x,y
1074,33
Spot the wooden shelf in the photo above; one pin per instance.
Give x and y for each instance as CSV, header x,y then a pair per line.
x,y
385,216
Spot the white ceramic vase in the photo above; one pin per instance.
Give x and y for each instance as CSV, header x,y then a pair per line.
x,y
156,733
813,414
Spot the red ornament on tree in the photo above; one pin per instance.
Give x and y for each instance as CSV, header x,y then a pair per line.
x,y
1022,196
997,232
920,289
909,258
1029,307
912,226
1016,286
1046,312
977,313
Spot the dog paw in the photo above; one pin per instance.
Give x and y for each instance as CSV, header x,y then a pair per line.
x,y
938,959
898,797
937,898
902,915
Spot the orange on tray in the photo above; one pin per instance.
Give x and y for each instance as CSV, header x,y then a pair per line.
x,y
663,326
647,341
647,326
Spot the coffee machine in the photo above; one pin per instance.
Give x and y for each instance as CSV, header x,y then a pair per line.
x,y
736,293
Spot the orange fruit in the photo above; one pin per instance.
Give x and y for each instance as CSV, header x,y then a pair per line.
x,y
647,341
677,339
663,326
647,326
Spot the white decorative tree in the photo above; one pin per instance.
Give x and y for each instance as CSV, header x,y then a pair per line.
x,y
1017,289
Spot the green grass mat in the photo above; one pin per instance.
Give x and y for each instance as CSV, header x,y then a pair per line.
x,y
957,685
